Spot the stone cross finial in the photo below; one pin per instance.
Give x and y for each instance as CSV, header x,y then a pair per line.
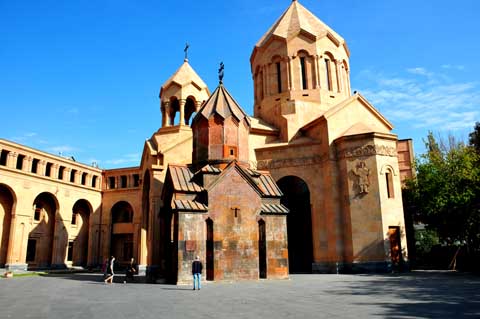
x,y
220,72
186,51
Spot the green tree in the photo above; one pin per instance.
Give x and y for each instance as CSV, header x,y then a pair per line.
x,y
475,137
445,193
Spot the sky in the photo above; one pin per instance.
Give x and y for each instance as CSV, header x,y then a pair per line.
x,y
82,78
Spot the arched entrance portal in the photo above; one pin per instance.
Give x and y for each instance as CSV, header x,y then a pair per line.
x,y
78,241
6,208
122,232
299,223
40,238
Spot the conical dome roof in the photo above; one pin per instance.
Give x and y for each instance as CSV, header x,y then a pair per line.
x,y
184,76
298,19
222,103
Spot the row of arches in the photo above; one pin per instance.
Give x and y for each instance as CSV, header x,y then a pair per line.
x,y
44,232
44,240
302,72
177,111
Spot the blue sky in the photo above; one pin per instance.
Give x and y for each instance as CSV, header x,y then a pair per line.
x,y
83,77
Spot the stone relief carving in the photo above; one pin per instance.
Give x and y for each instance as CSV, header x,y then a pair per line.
x,y
362,172
368,150
288,162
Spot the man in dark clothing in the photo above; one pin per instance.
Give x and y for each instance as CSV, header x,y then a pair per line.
x,y
131,270
197,273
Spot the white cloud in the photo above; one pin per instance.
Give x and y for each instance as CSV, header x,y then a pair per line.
x,y
419,71
62,149
455,67
125,159
437,103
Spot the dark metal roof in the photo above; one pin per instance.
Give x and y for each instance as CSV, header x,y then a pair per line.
x,y
182,179
222,103
274,209
189,205
268,186
210,169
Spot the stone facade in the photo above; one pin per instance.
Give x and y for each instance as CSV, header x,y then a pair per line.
x,y
335,166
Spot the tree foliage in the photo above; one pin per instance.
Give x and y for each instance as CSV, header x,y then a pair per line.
x,y
445,195
475,137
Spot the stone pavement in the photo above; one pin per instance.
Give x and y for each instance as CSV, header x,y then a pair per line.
x,y
411,295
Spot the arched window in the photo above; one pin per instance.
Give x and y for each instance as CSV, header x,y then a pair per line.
x,y
174,109
389,181
329,59
306,72
189,109
277,78
388,171
122,212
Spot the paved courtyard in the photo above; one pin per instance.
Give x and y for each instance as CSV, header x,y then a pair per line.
x,y
412,295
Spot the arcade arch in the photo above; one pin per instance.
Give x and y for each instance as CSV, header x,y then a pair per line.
x,y
78,242
122,232
7,202
41,235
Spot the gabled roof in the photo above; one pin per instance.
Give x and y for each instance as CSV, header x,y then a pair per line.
x,y
277,209
182,179
183,76
261,182
222,103
188,205
297,19
332,111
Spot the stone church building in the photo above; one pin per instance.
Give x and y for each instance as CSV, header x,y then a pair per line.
x,y
310,183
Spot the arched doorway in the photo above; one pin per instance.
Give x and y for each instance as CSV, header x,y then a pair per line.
x,y
78,241
262,249
40,238
6,208
210,250
145,216
121,244
299,223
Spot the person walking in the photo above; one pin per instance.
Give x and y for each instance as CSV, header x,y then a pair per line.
x,y
131,270
197,273
109,271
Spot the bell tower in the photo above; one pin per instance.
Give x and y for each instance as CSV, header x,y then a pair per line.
x,y
182,95
300,69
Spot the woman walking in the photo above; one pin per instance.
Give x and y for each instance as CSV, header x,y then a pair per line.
x,y
109,271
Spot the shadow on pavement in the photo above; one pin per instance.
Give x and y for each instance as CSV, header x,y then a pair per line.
x,y
422,294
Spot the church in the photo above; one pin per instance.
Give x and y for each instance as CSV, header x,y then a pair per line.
x,y
310,183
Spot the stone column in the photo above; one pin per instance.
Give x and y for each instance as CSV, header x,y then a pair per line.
x,y
167,114
267,79
27,164
290,70
264,82
41,167
288,74
317,71
12,160
164,115
337,74
17,237
54,171
60,243
66,174
182,111
88,180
